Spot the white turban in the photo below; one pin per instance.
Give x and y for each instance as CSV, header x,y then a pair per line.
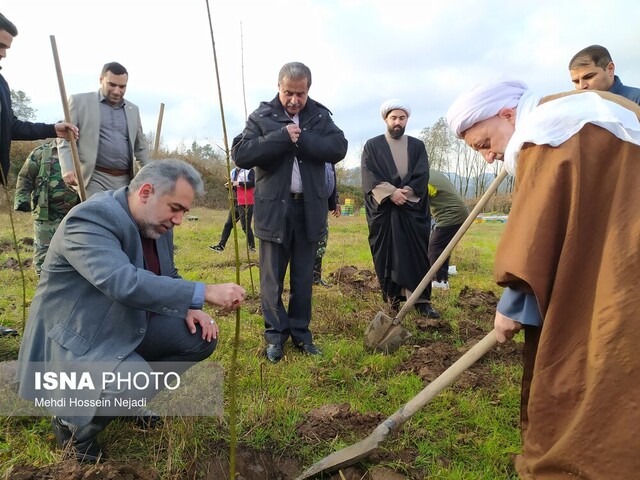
x,y
394,104
484,101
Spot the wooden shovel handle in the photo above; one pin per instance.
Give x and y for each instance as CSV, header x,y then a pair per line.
x,y
445,379
156,145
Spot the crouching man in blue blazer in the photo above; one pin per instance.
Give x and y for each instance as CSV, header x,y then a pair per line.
x,y
110,299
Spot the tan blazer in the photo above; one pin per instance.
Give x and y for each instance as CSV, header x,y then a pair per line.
x,y
84,112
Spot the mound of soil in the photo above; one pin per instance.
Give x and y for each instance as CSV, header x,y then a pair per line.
x,y
430,359
330,421
362,281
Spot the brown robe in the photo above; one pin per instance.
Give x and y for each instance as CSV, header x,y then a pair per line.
x,y
573,239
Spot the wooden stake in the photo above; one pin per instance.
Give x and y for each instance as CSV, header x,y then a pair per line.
x,y
67,118
156,146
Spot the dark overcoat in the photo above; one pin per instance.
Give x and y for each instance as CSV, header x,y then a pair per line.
x,y
266,146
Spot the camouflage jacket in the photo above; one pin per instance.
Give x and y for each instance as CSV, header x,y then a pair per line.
x,y
40,187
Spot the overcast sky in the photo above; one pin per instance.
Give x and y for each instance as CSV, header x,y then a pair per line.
x,y
361,53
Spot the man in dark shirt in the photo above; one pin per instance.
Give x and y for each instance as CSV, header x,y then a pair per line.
x,y
592,69
13,129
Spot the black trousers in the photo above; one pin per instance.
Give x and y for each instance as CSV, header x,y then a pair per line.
x,y
167,345
297,252
438,241
244,213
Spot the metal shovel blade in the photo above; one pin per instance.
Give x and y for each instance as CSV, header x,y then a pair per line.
x,y
384,334
351,454
348,455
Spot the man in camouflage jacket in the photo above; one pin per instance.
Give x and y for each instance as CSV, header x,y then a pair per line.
x,y
40,189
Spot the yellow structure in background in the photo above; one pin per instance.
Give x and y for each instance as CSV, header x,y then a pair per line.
x,y
347,208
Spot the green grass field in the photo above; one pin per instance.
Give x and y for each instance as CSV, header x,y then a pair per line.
x,y
464,433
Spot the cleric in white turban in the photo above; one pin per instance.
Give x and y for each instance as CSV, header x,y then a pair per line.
x,y
394,104
569,262
532,121
395,177
484,101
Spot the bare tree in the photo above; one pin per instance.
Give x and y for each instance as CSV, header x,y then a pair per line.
x,y
21,104
438,140
350,176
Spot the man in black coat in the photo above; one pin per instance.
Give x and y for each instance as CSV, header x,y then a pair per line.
x,y
395,176
287,141
12,128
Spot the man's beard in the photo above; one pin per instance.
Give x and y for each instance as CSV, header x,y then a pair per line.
x,y
149,229
396,132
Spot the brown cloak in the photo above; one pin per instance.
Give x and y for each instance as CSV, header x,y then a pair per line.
x,y
573,239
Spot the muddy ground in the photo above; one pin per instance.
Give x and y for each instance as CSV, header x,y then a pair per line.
x,y
428,361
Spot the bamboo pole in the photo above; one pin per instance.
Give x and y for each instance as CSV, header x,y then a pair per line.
x,y
233,440
67,118
246,207
156,146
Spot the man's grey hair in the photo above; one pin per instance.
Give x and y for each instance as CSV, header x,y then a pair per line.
x,y
294,71
163,175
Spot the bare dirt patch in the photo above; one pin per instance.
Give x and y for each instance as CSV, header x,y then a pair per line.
x,y
362,281
72,470
431,358
12,263
330,421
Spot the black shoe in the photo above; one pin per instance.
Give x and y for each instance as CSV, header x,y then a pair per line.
x,y
147,419
88,451
8,332
217,248
85,451
308,348
61,432
274,352
252,249
427,310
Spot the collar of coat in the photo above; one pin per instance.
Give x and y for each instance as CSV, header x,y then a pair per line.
x,y
274,107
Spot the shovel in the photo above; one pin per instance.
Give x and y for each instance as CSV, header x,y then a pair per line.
x,y
384,333
351,454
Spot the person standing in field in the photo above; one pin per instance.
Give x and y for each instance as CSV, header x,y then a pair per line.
x,y
336,211
569,259
41,190
449,211
288,140
111,137
395,176
593,69
11,128
243,185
